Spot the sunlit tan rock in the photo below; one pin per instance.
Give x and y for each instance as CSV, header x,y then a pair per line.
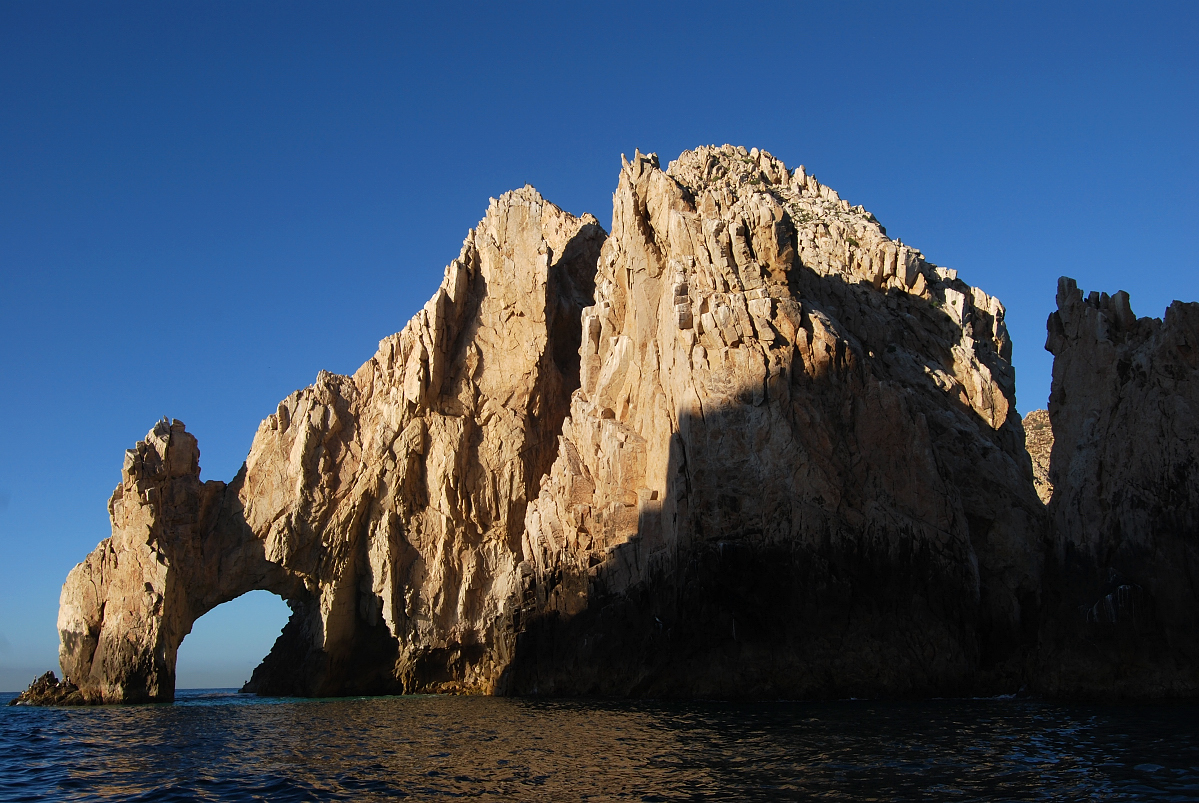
x,y
1038,439
386,507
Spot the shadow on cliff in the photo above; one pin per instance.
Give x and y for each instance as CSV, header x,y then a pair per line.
x,y
738,585
1123,579
845,300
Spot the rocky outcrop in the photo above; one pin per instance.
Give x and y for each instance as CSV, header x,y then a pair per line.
x,y
49,690
746,445
793,467
399,493
1038,440
1124,566
385,507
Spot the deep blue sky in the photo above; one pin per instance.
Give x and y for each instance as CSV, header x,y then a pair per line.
x,y
203,204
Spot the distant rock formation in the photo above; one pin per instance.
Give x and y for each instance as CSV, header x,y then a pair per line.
x,y
1038,439
746,445
1123,577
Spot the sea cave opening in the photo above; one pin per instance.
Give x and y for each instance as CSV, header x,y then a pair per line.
x,y
226,643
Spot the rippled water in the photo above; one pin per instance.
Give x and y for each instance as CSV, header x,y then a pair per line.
x,y
220,746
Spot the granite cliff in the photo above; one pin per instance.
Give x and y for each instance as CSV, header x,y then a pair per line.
x,y
746,445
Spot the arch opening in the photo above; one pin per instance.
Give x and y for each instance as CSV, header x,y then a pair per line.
x,y
227,643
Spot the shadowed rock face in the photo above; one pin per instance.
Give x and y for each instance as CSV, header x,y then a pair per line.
x,y
749,447
1124,569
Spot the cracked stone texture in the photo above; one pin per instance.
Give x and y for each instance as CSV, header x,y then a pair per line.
x,y
747,445
793,467
385,507
1123,611
1038,439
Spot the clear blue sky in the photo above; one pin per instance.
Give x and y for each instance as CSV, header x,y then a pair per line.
x,y
204,204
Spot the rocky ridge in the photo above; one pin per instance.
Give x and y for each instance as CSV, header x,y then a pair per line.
x,y
384,507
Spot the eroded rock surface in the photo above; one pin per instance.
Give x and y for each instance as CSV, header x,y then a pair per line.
x,y
793,467
399,493
1038,439
176,552
385,507
1125,564
49,690
751,446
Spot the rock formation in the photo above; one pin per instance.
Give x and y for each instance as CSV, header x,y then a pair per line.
x,y
399,493
794,465
750,446
1124,567
176,552
384,507
49,690
1038,439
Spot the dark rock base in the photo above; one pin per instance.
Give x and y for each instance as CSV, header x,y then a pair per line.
x,y
49,690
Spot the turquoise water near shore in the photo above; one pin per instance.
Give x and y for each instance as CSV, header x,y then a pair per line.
x,y
217,745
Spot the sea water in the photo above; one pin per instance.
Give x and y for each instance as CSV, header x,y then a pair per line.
x,y
217,745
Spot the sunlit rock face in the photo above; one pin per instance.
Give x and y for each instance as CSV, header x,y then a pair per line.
x,y
178,549
386,508
1124,569
1038,439
746,445
399,493
793,467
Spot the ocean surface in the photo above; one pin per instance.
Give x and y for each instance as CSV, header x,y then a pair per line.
x,y
217,745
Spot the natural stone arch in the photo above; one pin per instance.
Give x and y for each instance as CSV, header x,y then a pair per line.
x,y
227,643
178,549
386,507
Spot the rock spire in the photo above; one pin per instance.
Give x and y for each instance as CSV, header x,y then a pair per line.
x,y
1123,611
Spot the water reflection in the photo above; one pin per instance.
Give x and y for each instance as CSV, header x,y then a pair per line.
x,y
219,746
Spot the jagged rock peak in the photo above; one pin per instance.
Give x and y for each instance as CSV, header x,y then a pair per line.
x,y
413,475
753,191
